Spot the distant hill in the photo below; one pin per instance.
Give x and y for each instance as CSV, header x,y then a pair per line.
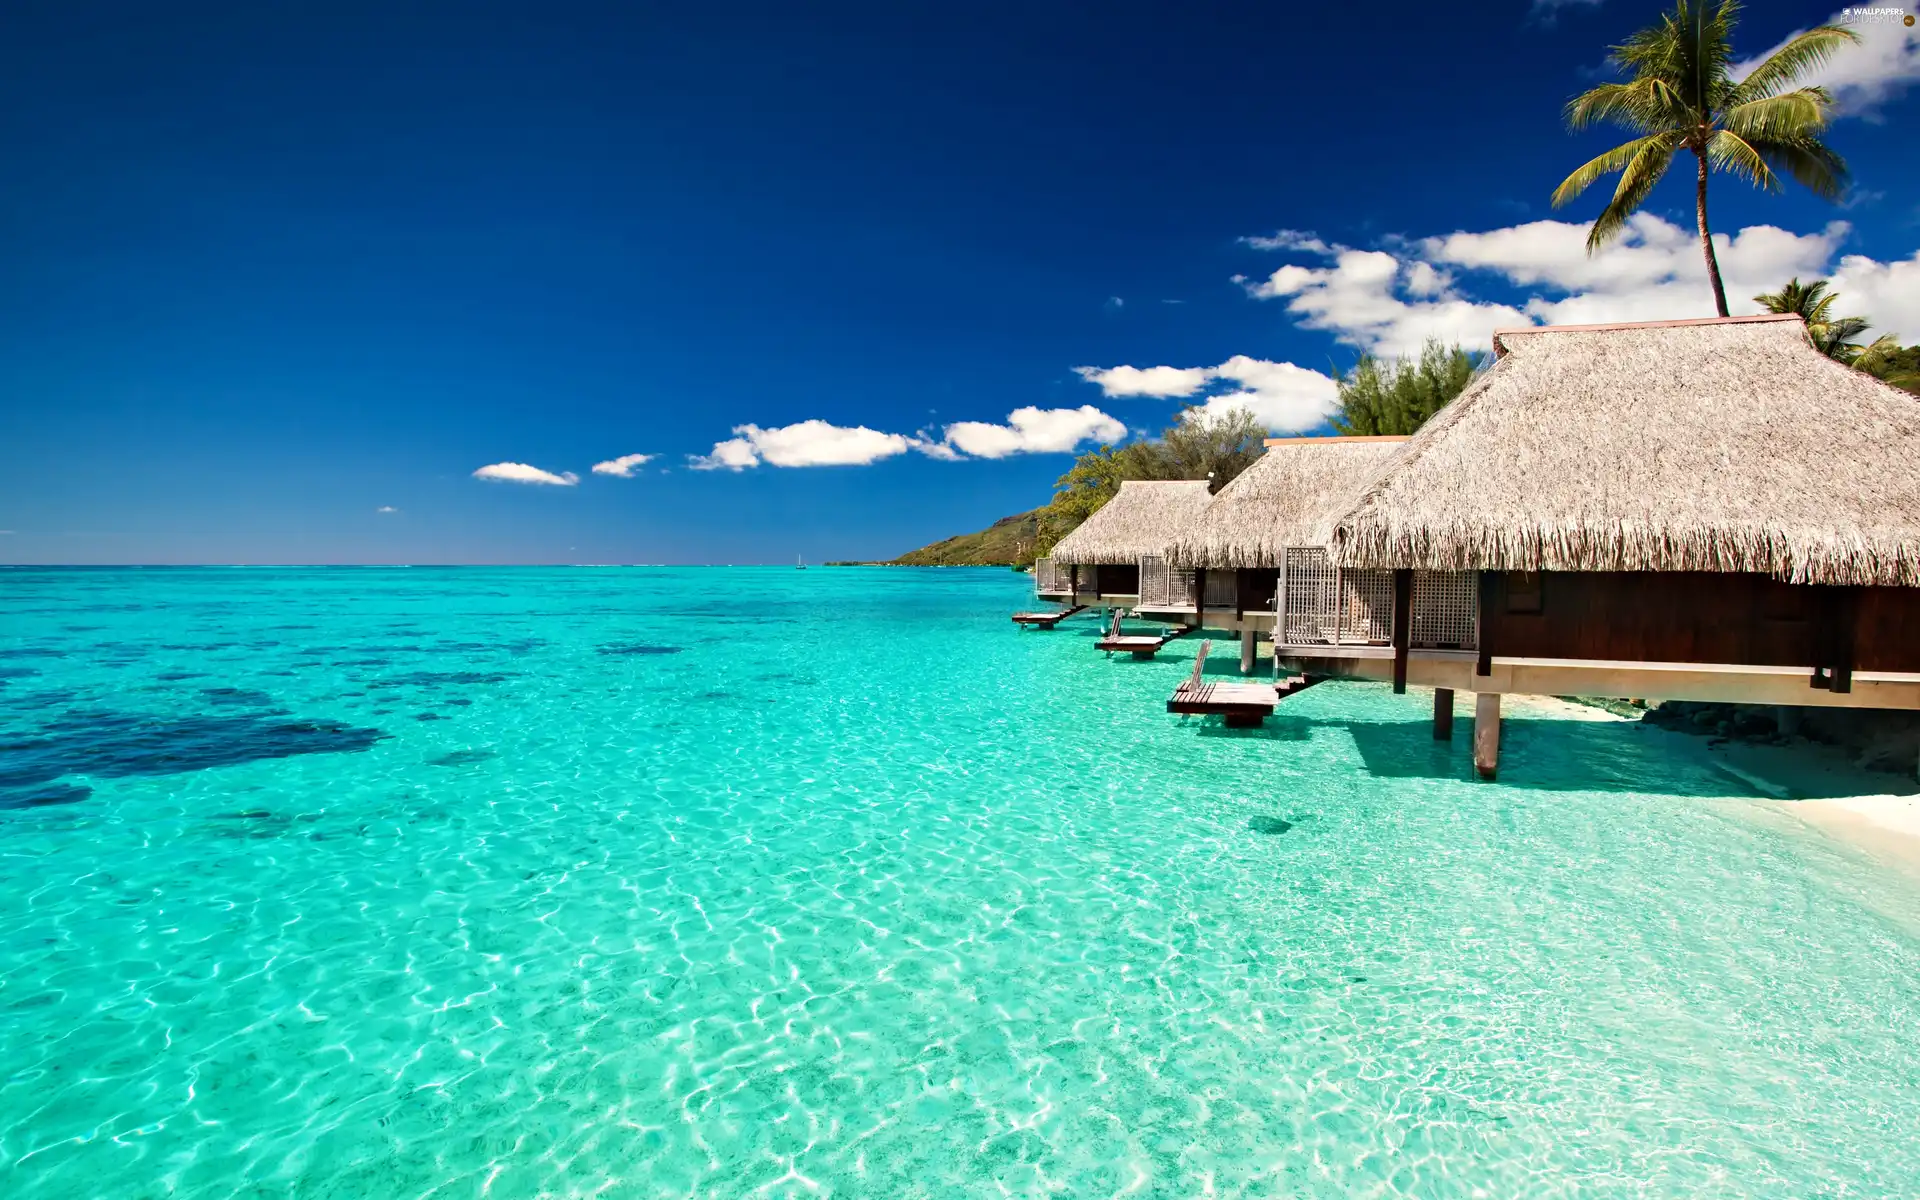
x,y
1003,543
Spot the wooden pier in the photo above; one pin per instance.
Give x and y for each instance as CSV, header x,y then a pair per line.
x,y
1045,620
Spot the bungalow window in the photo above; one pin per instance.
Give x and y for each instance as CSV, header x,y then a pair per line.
x,y
1523,591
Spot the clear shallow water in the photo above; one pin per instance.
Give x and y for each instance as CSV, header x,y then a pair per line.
x,y
370,883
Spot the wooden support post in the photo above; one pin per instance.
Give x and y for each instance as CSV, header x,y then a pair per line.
x,y
1247,651
1402,627
1200,596
1443,714
1483,633
1486,733
1846,611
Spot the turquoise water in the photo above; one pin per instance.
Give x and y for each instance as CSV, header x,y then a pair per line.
x,y
516,883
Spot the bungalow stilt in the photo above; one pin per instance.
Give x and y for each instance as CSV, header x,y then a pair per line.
x,y
1486,734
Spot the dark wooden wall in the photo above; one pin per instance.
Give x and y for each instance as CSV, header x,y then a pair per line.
x,y
1706,617
1119,579
1257,586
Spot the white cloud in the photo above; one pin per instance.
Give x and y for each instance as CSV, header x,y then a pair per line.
x,y
813,443
1654,272
1029,431
1861,77
1159,382
1390,301
1888,294
1289,239
622,466
1355,300
386,510
513,472
1283,397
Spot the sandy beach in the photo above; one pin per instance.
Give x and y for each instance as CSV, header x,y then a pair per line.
x,y
1874,812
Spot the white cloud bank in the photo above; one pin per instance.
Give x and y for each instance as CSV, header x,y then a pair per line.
x,y
1390,301
1861,77
1283,397
386,510
513,472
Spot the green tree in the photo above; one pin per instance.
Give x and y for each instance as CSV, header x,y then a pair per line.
x,y
1681,95
1200,444
1396,396
1813,303
1887,360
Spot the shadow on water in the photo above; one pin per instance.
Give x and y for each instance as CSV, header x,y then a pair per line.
x,y
43,797
1542,755
640,649
114,745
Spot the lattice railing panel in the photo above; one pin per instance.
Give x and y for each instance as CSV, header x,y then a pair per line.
x,y
1164,587
1446,610
1366,606
1311,598
1051,579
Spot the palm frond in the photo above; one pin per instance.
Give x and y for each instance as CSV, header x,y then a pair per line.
x,y
1642,105
1799,113
1642,171
1729,152
1812,163
1804,53
1617,159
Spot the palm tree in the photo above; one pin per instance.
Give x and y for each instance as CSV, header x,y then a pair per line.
x,y
1682,96
1887,360
1813,303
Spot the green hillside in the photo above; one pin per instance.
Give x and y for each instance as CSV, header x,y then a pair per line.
x,y
1003,543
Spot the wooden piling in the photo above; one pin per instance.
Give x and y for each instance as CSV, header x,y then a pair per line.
x,y
1486,733
1247,651
1443,714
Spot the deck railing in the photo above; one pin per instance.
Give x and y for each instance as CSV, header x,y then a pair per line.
x,y
1325,605
1051,579
1163,587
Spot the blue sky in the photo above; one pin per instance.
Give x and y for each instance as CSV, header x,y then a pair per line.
x,y
273,269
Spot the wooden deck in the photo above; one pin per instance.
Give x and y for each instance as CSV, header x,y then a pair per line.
x,y
1140,645
1045,620
1243,705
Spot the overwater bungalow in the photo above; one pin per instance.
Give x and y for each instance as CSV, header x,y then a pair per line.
x,y
1100,562
1225,567
1698,510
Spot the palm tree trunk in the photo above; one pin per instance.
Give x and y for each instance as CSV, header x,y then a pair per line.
x,y
1706,238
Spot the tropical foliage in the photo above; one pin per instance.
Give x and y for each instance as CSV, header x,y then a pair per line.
x,y
1200,444
1885,358
1681,94
1396,396
1813,303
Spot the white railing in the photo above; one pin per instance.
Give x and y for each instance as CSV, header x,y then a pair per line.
x,y
1165,588
1322,605
1051,579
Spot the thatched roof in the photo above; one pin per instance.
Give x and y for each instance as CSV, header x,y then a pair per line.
x,y
1140,519
1290,496
1721,445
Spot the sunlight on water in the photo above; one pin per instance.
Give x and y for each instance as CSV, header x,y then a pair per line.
x,y
384,883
